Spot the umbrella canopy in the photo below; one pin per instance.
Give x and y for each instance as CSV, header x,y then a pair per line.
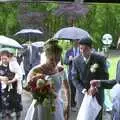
x,y
9,42
10,50
38,44
24,31
71,33
29,33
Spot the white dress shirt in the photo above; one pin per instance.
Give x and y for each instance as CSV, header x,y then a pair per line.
x,y
15,68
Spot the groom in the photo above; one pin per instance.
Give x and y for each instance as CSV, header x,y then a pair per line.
x,y
86,67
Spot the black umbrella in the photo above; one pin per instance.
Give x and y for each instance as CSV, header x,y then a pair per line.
x,y
29,33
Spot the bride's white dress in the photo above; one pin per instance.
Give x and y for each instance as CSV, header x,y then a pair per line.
x,y
41,113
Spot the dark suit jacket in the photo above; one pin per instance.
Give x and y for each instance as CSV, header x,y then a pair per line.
x,y
35,58
68,62
108,84
82,75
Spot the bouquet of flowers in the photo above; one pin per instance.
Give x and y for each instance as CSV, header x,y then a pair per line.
x,y
43,91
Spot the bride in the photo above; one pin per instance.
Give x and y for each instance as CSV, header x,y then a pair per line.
x,y
57,73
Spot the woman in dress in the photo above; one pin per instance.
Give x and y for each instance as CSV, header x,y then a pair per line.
x,y
10,86
57,74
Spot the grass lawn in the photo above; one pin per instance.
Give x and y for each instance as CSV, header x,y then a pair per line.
x,y
113,65
112,75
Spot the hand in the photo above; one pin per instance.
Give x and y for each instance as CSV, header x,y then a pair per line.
x,y
92,91
95,83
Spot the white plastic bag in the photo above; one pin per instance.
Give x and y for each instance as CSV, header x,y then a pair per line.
x,y
115,91
89,108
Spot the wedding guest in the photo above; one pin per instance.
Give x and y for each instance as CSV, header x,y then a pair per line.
x,y
108,84
73,52
58,76
31,57
10,86
86,67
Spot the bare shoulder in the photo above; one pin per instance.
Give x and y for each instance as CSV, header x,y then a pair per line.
x,y
36,72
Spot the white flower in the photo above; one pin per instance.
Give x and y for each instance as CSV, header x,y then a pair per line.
x,y
94,67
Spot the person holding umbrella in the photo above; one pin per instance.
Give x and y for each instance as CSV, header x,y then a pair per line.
x,y
10,85
31,57
73,52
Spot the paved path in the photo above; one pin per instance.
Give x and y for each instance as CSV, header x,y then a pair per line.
x,y
26,99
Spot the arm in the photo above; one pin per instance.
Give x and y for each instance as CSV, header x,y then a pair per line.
x,y
68,95
67,90
105,84
15,68
3,78
67,61
76,77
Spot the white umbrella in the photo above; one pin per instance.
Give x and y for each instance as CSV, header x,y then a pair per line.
x,y
71,33
38,44
29,33
9,42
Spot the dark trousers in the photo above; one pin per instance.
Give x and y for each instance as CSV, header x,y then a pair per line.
x,y
73,93
100,99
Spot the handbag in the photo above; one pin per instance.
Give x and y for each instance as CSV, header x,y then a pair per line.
x,y
89,108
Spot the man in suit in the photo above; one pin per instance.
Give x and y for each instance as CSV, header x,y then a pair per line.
x,y
31,57
108,84
88,66
69,56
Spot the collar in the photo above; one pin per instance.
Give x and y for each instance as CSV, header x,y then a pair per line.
x,y
86,59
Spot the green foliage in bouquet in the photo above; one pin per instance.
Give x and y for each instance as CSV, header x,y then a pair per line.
x,y
43,91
